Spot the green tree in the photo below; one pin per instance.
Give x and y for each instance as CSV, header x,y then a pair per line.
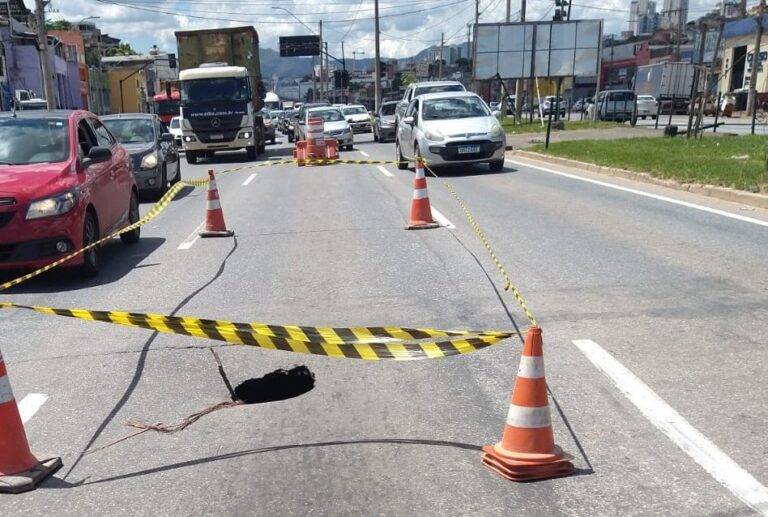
x,y
59,25
407,78
123,49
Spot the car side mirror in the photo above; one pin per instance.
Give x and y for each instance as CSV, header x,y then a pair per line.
x,y
409,120
97,154
166,137
349,120
497,114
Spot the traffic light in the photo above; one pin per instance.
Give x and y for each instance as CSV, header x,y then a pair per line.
x,y
561,11
172,60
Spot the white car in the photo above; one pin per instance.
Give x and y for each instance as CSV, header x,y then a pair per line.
x,y
358,117
450,128
175,129
334,125
647,106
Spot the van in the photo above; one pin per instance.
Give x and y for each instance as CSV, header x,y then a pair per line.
x,y
618,105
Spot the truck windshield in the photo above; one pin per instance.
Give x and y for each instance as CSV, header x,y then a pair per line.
x,y
210,91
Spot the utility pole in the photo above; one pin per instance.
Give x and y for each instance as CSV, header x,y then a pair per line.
x,y
440,64
343,74
519,86
320,24
509,10
42,47
752,98
327,77
474,42
679,31
377,64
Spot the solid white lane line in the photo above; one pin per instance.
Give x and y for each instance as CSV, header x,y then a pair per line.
x,y
647,194
249,180
721,467
30,404
363,153
192,238
384,171
440,218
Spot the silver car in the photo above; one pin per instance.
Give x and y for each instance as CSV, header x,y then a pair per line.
x,y
450,128
647,106
334,125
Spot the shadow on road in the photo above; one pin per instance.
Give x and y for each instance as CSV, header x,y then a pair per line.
x,y
117,260
278,448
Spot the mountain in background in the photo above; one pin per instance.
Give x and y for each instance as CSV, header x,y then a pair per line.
x,y
297,67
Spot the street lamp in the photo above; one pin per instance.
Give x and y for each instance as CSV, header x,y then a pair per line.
x,y
321,47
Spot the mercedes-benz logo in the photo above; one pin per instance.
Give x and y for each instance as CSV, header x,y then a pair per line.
x,y
215,122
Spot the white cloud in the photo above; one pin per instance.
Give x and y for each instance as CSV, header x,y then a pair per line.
x,y
406,27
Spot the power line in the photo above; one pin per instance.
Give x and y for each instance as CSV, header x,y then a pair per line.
x,y
190,14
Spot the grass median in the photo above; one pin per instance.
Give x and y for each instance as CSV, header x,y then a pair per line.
x,y
524,126
738,162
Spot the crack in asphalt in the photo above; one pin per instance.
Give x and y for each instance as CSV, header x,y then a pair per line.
x,y
141,362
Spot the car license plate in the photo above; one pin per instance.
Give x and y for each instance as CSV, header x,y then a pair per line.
x,y
468,149
217,137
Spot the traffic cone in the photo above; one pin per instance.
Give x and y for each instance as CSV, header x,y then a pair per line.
x,y
20,470
527,449
214,216
421,212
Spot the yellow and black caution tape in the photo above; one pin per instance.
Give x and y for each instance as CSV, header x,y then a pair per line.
x,y
508,285
368,343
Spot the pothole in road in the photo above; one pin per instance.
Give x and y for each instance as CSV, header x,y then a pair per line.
x,y
278,385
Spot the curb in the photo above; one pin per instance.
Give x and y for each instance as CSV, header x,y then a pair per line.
x,y
714,191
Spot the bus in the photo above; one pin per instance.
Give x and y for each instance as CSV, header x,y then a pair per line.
x,y
272,102
164,108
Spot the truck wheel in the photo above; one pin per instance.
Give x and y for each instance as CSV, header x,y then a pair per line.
x,y
191,157
251,152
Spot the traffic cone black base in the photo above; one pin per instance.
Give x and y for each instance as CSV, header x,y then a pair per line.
x,y
26,481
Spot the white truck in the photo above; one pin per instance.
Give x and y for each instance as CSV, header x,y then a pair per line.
x,y
221,92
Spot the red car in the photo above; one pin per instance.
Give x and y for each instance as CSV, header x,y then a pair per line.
x,y
65,182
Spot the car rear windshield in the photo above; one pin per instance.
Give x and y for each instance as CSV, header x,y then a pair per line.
x,y
131,130
421,90
354,110
454,107
39,140
388,109
329,115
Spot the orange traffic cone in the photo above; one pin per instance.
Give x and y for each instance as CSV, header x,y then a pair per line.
x,y
527,449
421,212
214,216
19,469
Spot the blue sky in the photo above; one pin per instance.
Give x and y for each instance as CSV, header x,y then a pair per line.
x,y
407,26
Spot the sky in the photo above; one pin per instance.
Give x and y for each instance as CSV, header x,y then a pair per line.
x,y
406,26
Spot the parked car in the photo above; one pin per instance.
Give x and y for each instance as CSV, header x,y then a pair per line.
x,y
268,123
420,88
334,125
550,102
647,106
358,117
154,156
617,105
384,122
66,182
175,129
450,128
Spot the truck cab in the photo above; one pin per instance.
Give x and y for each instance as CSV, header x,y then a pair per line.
x,y
217,111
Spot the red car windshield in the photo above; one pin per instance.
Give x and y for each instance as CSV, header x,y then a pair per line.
x,y
38,140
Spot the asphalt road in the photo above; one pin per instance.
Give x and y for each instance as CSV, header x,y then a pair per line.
x,y
674,293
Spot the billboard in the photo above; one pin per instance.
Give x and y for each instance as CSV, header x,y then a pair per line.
x,y
292,46
538,49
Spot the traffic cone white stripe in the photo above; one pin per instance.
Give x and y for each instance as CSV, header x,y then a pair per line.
x,y
214,204
529,417
6,393
420,193
531,367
